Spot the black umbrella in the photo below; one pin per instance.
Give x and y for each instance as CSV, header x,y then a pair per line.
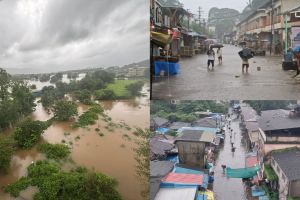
x,y
217,46
246,53
242,43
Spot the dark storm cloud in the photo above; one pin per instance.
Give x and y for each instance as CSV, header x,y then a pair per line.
x,y
76,33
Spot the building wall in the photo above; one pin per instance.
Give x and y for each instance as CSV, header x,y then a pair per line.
x,y
282,180
294,189
191,153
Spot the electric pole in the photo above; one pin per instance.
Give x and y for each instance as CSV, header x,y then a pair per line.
x,y
272,26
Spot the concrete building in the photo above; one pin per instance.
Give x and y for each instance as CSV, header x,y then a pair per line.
x,y
191,146
286,165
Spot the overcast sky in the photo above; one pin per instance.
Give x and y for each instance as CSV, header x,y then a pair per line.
x,y
55,35
206,5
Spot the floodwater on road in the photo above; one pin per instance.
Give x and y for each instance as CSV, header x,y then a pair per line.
x,y
230,188
111,154
227,81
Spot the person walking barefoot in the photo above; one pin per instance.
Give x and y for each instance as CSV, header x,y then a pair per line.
x,y
245,64
210,58
220,57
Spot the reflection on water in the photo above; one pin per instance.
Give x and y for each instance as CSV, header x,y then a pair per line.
x,y
111,154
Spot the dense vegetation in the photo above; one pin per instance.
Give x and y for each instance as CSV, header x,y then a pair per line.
x,y
64,110
55,184
6,152
185,110
259,106
89,117
142,158
16,100
54,151
28,132
57,77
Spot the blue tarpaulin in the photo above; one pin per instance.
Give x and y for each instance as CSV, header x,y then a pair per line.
x,y
173,158
172,68
177,185
181,170
242,172
296,49
205,129
263,197
162,130
201,197
257,191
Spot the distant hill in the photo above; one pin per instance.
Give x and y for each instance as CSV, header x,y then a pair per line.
x,y
223,19
144,63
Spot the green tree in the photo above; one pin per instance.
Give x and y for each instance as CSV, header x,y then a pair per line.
x,y
53,183
105,94
143,159
4,84
135,88
6,152
84,96
23,98
28,133
64,110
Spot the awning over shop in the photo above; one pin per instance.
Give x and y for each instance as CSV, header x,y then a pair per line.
x,y
242,172
160,39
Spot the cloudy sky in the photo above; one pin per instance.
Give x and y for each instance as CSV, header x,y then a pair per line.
x,y
53,35
206,5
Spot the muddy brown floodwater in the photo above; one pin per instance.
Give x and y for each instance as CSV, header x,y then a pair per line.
x,y
111,154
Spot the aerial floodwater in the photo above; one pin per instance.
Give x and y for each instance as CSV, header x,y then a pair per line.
x,y
111,153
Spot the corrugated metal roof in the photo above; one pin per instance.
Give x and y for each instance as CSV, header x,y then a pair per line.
x,y
289,162
277,119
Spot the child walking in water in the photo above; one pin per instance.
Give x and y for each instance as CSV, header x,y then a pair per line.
x,y
211,58
220,57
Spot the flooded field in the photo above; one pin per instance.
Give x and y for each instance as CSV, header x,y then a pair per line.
x,y
111,154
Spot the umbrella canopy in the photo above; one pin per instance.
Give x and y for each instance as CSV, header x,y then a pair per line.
x,y
296,49
246,53
211,41
160,38
242,43
217,46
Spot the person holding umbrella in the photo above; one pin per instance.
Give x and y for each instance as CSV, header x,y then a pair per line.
x,y
210,57
246,54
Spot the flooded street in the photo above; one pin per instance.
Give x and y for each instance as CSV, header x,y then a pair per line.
x,y
111,154
226,81
230,188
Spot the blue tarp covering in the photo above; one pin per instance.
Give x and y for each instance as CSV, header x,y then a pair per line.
x,y
181,170
205,129
241,172
173,68
257,191
296,49
201,197
173,158
162,130
263,198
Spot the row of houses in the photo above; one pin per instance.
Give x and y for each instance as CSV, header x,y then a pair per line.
x,y
267,24
186,158
172,36
274,142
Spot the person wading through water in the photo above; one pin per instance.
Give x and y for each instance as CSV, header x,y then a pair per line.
x,y
210,58
220,57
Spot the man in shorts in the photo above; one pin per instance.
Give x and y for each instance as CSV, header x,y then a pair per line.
x,y
245,64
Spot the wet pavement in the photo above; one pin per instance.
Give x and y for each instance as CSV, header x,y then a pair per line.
x,y
227,82
230,188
